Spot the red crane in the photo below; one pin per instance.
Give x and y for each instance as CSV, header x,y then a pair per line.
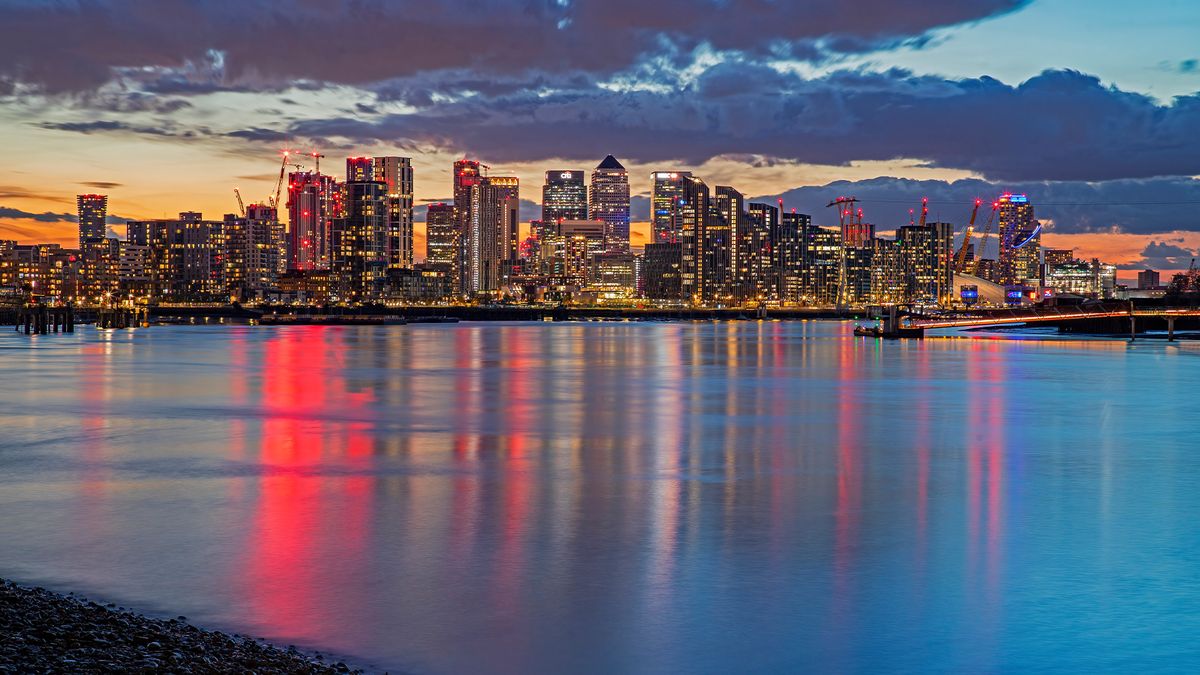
x,y
960,264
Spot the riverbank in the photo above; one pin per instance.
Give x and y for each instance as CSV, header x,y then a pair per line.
x,y
44,632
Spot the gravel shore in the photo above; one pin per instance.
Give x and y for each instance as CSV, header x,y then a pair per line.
x,y
44,632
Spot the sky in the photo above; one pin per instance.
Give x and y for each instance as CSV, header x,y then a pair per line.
x,y
1090,107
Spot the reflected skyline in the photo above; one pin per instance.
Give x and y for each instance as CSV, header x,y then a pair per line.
x,y
612,496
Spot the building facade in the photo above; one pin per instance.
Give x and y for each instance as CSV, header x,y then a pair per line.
x,y
608,200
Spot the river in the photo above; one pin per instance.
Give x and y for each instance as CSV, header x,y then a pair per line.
x,y
619,497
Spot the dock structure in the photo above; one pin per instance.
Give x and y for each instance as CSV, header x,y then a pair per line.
x,y
41,319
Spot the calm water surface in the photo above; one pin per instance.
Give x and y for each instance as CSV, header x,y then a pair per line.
x,y
619,497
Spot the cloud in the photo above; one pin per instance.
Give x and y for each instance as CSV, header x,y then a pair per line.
x,y
52,217
1159,255
45,217
1059,125
1136,206
100,184
232,42
260,135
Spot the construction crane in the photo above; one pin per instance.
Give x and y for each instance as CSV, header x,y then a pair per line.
x,y
845,213
241,204
317,158
987,230
274,199
924,210
960,263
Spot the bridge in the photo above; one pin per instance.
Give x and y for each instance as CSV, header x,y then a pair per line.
x,y
916,321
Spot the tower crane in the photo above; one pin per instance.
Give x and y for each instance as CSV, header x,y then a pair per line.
x,y
987,229
845,214
924,210
241,205
960,263
317,158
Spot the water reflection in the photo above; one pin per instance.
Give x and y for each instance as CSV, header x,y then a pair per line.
x,y
600,498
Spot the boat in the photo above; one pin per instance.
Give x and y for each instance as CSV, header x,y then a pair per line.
x,y
433,319
330,320
879,332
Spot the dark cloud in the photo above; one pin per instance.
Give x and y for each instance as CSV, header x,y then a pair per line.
x,y
45,217
187,46
260,135
51,217
163,130
1143,206
1162,255
128,102
100,184
1060,125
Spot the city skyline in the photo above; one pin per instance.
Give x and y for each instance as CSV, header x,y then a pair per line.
x,y
178,127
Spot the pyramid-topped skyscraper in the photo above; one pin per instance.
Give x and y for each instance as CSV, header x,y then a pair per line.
x,y
608,200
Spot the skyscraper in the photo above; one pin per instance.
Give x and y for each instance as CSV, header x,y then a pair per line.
x,y
359,241
441,238
692,215
764,220
608,200
667,190
314,201
466,177
508,200
360,169
93,214
1020,240
730,204
491,233
564,196
396,174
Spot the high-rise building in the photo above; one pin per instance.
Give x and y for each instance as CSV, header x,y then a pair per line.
x,y
466,177
731,206
692,214
360,169
360,236
1148,279
923,276
666,194
765,228
755,283
582,242
857,234
822,260
564,196
252,252
187,257
314,202
943,243
787,242
396,174
93,218
508,199
1058,256
661,271
608,200
1020,240
492,235
442,238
